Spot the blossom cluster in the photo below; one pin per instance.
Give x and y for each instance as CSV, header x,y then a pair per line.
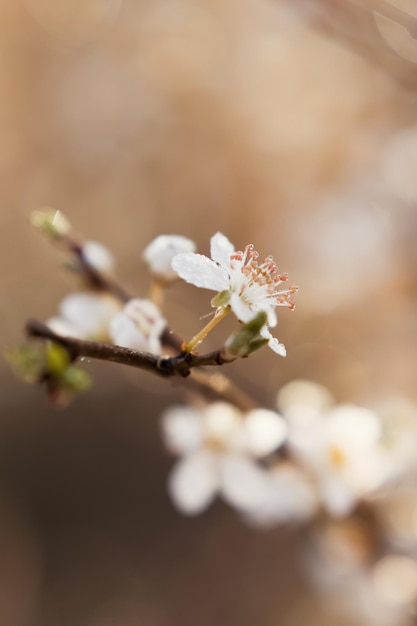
x,y
276,467
243,285
345,472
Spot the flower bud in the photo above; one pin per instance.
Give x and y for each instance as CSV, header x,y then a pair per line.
x,y
139,326
51,222
159,253
247,339
89,314
98,257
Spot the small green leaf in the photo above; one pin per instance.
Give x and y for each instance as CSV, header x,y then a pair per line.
x,y
57,359
75,379
27,362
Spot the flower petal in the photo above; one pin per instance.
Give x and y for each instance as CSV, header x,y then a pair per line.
x,y
222,424
98,256
355,426
273,343
182,429
244,485
338,498
293,498
240,308
272,316
200,271
125,333
160,252
90,313
221,249
193,482
139,326
265,431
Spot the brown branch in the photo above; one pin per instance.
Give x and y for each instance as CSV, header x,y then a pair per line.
x,y
179,365
182,365
94,278
219,386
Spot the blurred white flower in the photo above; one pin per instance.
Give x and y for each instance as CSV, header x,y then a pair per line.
x,y
399,421
292,498
219,447
242,283
139,326
98,257
159,254
85,315
341,562
300,400
343,448
351,452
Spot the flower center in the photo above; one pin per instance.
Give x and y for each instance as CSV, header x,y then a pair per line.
x,y
261,279
337,458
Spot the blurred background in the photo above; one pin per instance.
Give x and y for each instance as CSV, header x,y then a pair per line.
x,y
290,124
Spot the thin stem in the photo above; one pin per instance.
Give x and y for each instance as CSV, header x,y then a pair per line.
x,y
156,292
200,336
96,279
220,386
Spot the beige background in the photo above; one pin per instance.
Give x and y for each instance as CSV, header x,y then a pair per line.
x,y
288,125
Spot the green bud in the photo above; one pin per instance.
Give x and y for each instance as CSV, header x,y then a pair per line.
x,y
247,339
57,359
51,222
75,379
256,324
256,344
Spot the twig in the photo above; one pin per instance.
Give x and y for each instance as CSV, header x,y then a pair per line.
x,y
95,278
219,386
179,365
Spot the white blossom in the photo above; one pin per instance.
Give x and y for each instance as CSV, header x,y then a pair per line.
x,y
159,254
242,283
291,498
98,257
138,326
85,315
345,455
219,447
351,452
